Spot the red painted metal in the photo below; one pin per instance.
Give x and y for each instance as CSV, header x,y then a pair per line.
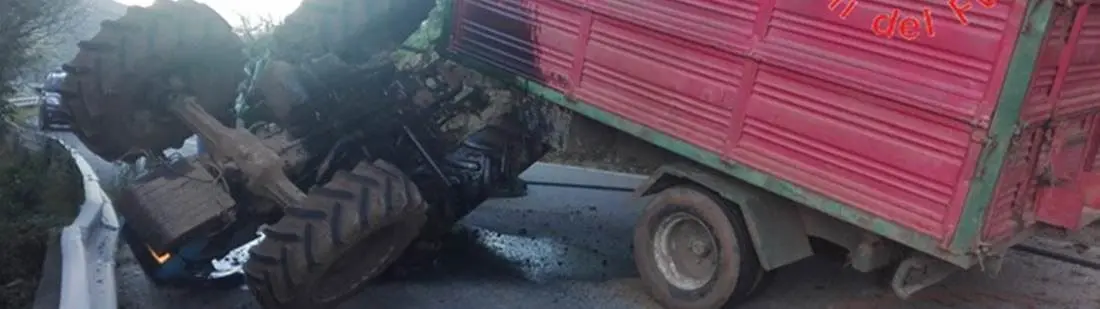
x,y
888,125
1057,182
1071,106
1061,198
1013,205
1014,202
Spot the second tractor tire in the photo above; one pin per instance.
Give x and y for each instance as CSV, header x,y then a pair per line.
x,y
344,234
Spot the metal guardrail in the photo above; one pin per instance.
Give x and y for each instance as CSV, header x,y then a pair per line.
x,y
88,247
24,101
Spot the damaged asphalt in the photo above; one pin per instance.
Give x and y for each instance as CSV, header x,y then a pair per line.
x,y
570,248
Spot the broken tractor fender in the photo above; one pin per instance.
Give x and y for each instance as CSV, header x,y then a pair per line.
x,y
777,231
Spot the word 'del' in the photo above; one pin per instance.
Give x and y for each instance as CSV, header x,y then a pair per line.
x,y
906,27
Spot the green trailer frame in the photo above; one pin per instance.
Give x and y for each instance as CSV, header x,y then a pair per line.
x,y
964,249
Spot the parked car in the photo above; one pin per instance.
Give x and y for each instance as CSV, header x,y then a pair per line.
x,y
50,112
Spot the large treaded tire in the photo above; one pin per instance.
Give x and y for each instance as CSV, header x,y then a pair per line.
x,y
117,84
353,30
344,234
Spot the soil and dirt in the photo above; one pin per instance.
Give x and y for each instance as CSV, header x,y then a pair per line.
x,y
591,144
41,189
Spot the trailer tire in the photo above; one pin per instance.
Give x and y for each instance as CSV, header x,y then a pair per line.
x,y
688,223
344,234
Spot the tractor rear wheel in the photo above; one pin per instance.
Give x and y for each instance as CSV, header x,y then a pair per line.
x,y
344,234
116,90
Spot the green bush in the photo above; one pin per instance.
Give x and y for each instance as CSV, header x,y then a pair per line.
x,y
40,192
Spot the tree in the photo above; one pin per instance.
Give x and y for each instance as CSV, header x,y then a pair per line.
x,y
39,182
27,29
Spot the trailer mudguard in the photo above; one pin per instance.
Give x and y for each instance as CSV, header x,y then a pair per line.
x,y
777,231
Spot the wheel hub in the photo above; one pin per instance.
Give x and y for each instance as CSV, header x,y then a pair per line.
x,y
684,251
700,248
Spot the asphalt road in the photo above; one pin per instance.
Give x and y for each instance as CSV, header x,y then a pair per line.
x,y
570,248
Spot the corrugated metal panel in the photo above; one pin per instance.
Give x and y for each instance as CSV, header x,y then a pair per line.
x,y
1063,101
885,124
785,86
1037,108
1013,204
1015,194
1059,199
678,87
1081,89
534,39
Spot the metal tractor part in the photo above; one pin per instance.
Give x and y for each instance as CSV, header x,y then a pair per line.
x,y
344,160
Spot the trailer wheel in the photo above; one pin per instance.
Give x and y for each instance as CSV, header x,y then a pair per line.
x,y
694,252
344,234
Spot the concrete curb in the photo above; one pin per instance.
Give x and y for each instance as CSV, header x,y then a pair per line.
x,y
88,248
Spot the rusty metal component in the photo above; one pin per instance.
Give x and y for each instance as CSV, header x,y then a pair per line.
x,y
261,166
918,272
290,150
175,202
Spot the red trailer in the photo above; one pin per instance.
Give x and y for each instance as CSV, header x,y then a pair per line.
x,y
934,133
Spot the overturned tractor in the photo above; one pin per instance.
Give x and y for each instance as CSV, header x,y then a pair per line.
x,y
343,160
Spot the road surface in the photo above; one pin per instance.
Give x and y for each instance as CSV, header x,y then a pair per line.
x,y
570,248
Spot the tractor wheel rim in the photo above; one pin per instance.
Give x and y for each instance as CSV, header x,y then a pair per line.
x,y
685,251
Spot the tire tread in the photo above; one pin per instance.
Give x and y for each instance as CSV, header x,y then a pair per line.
x,y
337,218
112,71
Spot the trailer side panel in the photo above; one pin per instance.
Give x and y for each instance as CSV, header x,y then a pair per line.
x,y
889,127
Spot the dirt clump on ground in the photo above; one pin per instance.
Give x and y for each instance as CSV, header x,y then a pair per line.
x,y
591,144
40,192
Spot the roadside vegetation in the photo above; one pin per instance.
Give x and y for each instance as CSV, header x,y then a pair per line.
x,y
40,185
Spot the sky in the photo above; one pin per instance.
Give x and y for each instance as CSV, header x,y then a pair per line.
x,y
231,9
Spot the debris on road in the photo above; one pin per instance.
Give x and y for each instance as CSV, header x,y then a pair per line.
x,y
347,156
